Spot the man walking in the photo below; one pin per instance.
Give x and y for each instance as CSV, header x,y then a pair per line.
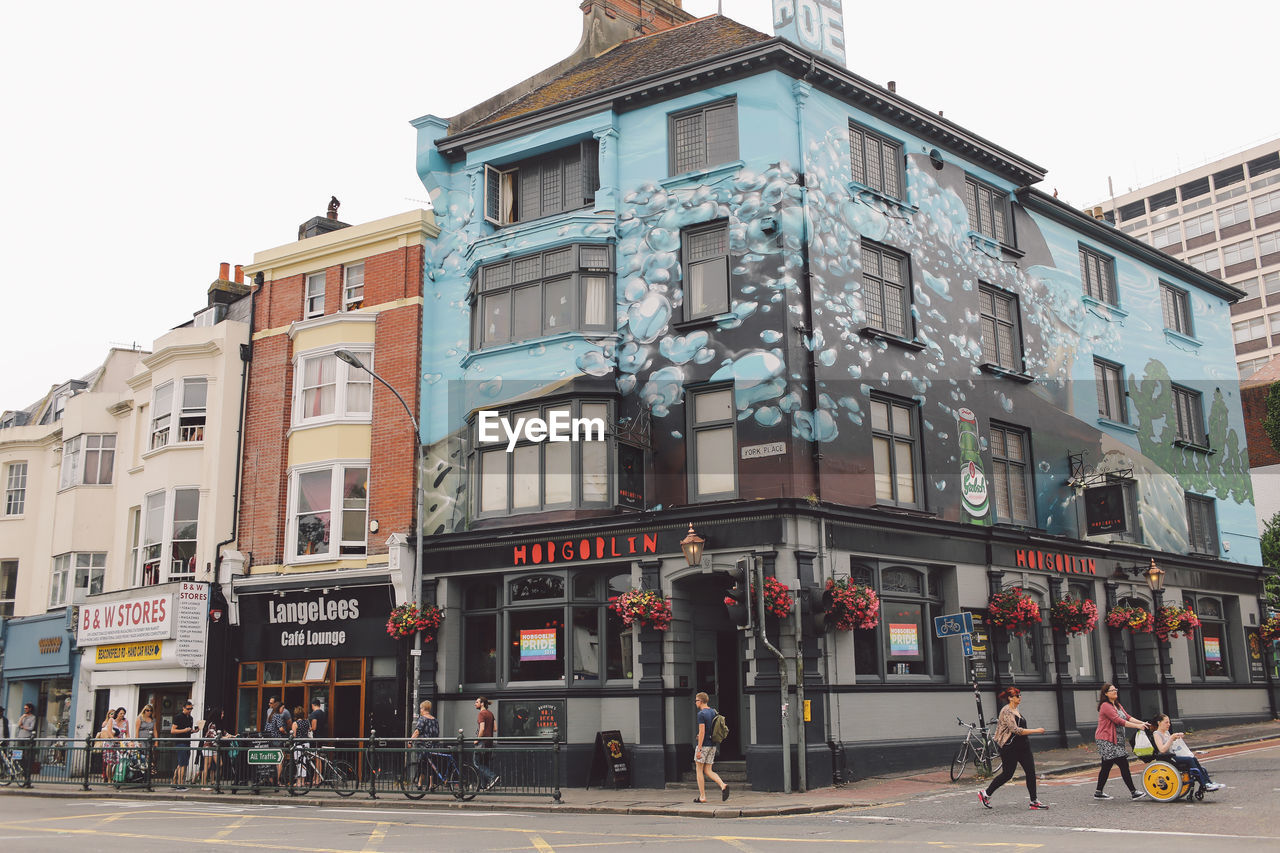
x,y
486,730
181,728
704,752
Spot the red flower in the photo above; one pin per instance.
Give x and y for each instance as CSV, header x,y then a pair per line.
x,y
1135,619
643,606
1013,610
405,620
853,606
1073,616
1173,621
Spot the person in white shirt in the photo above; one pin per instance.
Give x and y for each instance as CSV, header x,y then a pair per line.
x,y
1175,744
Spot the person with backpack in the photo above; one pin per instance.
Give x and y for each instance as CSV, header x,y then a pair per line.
x,y
709,722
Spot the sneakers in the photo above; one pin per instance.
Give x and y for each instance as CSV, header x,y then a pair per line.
x,y
492,783
1098,795
984,799
1214,786
1036,805
180,787
1137,795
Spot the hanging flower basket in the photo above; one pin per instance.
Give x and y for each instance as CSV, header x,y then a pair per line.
x,y
777,599
1174,621
1072,616
1136,620
853,606
1270,630
1013,610
644,607
408,619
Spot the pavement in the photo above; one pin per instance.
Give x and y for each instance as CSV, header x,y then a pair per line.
x,y
865,793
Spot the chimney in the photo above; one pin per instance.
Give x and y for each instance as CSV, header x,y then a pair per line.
x,y
224,291
893,86
239,273
317,225
224,271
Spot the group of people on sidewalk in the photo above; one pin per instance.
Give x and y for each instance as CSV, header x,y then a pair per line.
x,y
1012,736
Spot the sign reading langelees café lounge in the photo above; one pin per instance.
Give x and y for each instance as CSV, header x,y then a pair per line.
x,y
313,623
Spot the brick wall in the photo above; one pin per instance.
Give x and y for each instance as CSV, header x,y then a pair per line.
x,y
1254,401
265,477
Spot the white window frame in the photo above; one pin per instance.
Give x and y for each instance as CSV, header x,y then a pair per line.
x,y
70,569
313,295
15,493
353,286
76,453
338,547
152,538
345,378
8,588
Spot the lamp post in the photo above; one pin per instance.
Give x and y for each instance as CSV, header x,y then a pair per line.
x,y
351,359
1155,580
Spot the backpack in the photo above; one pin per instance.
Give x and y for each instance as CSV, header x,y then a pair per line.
x,y
719,729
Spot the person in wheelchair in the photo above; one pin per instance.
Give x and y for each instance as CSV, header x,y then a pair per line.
x,y
1173,746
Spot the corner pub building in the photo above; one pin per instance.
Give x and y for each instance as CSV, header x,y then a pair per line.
x,y
847,338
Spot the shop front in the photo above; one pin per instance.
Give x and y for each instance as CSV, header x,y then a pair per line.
x,y
143,647
319,642
40,658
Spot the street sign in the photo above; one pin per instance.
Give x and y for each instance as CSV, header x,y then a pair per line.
x,y
265,756
966,644
953,624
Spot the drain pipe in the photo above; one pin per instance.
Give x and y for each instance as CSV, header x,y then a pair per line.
x,y
757,570
802,739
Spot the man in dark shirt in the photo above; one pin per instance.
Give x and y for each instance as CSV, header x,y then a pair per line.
x,y
486,728
319,719
181,729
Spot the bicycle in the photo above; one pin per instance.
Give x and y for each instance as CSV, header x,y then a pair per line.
x,y
439,768
977,747
10,772
299,774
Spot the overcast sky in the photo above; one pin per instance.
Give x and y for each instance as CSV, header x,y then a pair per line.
x,y
144,142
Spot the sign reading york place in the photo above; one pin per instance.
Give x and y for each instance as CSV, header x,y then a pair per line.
x,y
318,622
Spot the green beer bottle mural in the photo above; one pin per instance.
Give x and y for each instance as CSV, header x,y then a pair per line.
x,y
973,482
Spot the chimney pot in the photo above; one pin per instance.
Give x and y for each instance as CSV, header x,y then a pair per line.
x,y
224,271
239,273
893,85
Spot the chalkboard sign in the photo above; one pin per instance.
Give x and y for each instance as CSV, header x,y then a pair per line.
x,y
1253,645
609,762
981,660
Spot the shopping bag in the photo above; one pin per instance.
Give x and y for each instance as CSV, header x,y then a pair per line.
x,y
1142,745
120,773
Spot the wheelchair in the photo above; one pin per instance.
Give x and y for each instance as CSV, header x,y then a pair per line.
x,y
1165,782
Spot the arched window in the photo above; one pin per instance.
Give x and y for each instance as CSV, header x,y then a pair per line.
x,y
904,644
1209,646
1027,653
1083,650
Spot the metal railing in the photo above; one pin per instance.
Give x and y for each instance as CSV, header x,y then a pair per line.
x,y
438,767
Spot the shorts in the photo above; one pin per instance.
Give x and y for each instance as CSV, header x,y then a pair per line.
x,y
182,756
704,755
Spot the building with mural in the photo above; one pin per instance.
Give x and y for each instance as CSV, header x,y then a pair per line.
x,y
840,335
321,550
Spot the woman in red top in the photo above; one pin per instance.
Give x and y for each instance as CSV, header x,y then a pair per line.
x,y
1112,747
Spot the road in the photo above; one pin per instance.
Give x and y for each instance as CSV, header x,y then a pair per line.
x,y
1245,816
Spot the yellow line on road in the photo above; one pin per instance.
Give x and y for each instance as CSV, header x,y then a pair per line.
x,y
184,840
542,846
376,835
239,822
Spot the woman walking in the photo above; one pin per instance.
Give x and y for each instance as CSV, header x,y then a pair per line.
x,y
1112,747
1015,748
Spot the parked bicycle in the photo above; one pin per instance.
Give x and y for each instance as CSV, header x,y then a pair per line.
x,y
979,748
433,770
10,771
305,768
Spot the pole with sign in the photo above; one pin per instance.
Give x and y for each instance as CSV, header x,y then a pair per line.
x,y
961,625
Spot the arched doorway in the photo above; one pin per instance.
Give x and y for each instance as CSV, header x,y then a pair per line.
x,y
719,663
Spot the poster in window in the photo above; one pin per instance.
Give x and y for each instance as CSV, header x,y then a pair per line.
x,y
904,639
1257,666
531,717
1213,649
538,644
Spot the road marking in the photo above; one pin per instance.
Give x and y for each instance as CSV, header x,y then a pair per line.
x,y
732,842
376,835
232,827
542,846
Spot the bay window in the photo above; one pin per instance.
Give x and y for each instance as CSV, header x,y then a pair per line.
x,y
560,290
87,460
191,395
327,389
167,523
320,498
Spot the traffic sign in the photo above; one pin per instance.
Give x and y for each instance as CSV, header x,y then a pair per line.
x,y
265,756
953,624
966,644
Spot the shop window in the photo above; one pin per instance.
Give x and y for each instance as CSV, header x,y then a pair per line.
x,y
1027,653
1209,647
480,632
903,645
294,670
328,500
564,463
248,672
349,670
535,644
1083,649
273,672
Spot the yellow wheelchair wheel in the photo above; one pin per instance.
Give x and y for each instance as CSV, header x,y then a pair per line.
x,y
1164,782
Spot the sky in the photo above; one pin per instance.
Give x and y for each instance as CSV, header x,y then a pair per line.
x,y
144,142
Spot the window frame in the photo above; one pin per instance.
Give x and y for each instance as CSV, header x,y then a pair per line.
x,y
76,454
344,378
580,273
8,589
709,156
1188,407
67,570
15,491
1084,645
169,405
995,296
547,465
1002,483
688,237
876,281
313,296
913,441
152,536
352,301
982,198
338,547
1098,276
1222,624
1175,306
1103,371
506,201
887,151
697,429
931,600
1202,511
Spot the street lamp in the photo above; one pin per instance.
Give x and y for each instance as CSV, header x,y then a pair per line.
x,y
351,359
1155,580
691,545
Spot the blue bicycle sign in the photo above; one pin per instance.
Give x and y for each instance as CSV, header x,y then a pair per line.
x,y
953,624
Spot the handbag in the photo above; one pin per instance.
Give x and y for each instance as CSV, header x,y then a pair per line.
x,y
1142,746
